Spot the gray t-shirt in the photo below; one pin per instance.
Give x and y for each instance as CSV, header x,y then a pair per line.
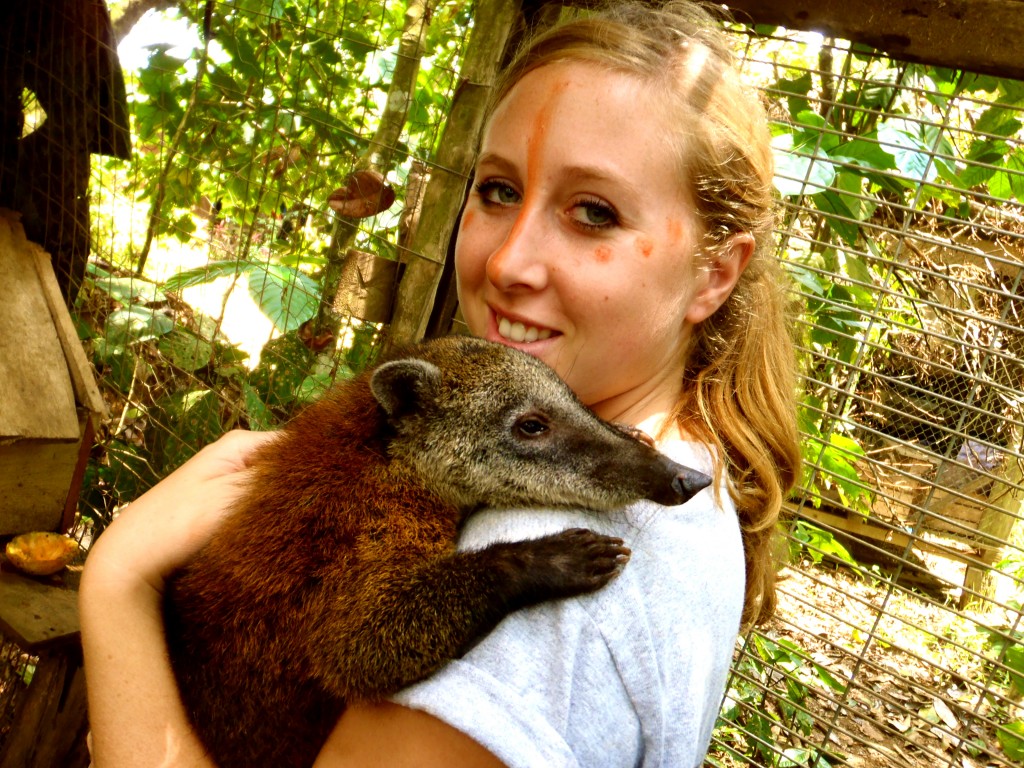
x,y
632,675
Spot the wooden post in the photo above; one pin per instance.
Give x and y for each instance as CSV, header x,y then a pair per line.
x,y
451,170
1003,513
50,725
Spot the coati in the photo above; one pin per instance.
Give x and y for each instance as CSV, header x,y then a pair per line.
x,y
336,579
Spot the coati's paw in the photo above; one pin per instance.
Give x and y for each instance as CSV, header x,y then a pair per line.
x,y
570,562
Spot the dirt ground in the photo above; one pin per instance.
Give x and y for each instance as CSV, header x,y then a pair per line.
x,y
914,686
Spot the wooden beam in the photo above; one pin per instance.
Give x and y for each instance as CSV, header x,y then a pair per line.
x,y
975,35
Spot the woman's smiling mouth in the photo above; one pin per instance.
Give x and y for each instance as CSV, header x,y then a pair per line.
x,y
520,332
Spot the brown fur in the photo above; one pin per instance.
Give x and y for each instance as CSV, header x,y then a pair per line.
x,y
336,578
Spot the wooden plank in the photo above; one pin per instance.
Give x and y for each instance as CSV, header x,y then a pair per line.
x,y
976,35
37,615
35,477
37,401
83,379
87,424
50,726
858,525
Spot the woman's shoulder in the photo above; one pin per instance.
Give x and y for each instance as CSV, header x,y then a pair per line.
x,y
561,676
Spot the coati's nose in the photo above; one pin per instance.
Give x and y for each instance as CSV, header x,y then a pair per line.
x,y
688,481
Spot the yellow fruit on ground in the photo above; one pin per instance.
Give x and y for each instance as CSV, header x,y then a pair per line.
x,y
41,553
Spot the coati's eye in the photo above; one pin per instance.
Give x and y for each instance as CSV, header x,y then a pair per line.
x,y
531,426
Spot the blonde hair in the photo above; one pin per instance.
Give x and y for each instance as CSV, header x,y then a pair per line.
x,y
739,383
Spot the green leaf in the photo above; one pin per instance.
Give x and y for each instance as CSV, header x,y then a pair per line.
x,y
193,420
864,153
206,274
920,150
1011,739
1009,183
800,167
1014,659
259,416
129,290
796,757
136,323
999,121
838,465
810,280
287,296
313,387
358,44
185,350
911,156
795,91
224,82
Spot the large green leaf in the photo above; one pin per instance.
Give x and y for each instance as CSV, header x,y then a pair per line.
x,y
801,167
864,152
1009,183
919,150
1011,739
206,274
136,323
130,290
285,295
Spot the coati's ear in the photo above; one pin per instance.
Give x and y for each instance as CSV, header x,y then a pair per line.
x,y
405,386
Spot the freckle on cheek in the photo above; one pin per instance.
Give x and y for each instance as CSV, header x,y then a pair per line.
x,y
603,253
645,246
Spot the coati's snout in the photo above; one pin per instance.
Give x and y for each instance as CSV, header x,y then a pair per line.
x,y
687,483
665,481
673,483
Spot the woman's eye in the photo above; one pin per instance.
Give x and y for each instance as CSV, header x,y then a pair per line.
x,y
594,215
497,192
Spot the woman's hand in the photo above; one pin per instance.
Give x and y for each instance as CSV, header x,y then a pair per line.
x,y
135,710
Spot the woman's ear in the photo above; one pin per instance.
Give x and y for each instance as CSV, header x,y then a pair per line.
x,y
720,270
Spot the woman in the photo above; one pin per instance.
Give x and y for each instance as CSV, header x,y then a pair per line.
x,y
618,229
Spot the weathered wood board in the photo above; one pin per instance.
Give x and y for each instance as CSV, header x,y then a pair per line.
x,y
975,35
38,402
47,391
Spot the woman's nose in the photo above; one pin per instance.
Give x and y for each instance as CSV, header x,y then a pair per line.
x,y
520,260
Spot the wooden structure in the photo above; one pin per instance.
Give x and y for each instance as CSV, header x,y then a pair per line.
x,y
48,414
51,403
49,725
974,35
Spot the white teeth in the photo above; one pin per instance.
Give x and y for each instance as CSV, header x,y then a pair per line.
x,y
518,332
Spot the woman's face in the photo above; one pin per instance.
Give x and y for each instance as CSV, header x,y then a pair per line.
x,y
577,242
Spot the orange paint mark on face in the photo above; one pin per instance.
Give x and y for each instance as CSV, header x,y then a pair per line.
x,y
535,141
675,230
645,246
603,254
534,152
467,219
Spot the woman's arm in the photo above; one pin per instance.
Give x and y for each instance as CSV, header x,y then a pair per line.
x,y
135,712
388,735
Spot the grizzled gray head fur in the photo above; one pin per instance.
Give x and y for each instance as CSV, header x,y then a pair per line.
x,y
487,425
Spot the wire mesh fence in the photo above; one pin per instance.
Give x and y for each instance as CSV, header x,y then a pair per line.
x,y
281,155
902,231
